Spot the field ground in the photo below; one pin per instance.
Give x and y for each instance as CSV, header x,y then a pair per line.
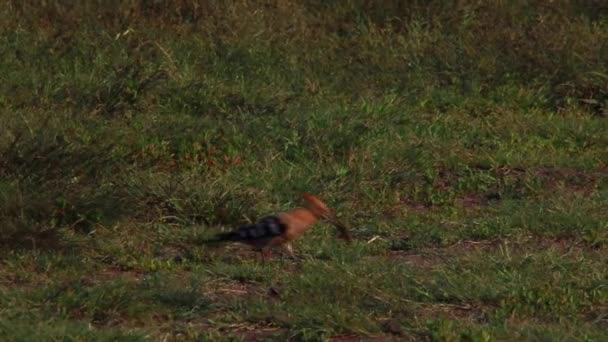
x,y
465,144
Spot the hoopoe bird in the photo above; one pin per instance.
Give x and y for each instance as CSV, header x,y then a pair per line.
x,y
281,229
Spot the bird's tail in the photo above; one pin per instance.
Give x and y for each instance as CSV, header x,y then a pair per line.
x,y
266,228
221,237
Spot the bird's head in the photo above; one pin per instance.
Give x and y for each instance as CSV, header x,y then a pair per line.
x,y
318,207
324,212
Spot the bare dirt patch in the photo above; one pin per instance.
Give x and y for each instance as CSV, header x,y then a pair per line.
x,y
571,178
113,273
476,200
242,289
239,289
429,258
358,338
417,260
254,334
552,178
454,311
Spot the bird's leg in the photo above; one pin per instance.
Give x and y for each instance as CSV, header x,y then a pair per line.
x,y
264,252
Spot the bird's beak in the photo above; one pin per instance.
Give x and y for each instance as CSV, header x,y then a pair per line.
x,y
343,232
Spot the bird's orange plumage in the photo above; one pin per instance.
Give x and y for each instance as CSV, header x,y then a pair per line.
x,y
282,229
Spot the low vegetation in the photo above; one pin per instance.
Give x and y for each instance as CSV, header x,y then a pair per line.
x,y
465,143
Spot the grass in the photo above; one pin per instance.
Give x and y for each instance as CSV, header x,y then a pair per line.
x,y
465,144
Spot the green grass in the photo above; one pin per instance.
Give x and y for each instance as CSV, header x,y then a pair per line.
x,y
463,142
